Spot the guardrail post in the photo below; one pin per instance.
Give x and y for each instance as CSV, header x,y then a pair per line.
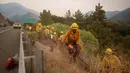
x,y
21,56
38,62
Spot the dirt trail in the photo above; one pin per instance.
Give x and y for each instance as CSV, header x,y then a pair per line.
x,y
58,58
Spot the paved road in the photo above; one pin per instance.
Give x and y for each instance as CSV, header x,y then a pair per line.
x,y
9,41
4,28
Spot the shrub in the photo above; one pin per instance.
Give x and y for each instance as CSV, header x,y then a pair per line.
x,y
59,27
87,38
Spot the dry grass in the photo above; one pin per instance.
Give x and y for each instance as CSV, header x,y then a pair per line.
x,y
55,70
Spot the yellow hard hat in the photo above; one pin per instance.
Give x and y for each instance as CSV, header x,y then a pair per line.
x,y
52,28
108,50
39,24
61,32
54,33
74,26
47,26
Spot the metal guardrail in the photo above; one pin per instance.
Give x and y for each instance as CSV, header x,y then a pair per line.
x,y
37,58
21,56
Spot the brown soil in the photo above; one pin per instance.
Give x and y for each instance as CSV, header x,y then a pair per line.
x,y
58,58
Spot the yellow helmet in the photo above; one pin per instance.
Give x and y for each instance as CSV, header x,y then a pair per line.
x,y
61,32
39,24
108,50
54,33
74,26
47,26
52,28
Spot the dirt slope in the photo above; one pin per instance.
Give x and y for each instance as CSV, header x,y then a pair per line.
x,y
58,58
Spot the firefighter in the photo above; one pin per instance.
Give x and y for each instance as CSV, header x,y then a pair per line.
x,y
110,62
73,41
47,32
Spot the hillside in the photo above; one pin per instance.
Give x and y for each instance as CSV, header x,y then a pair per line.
x,y
18,18
111,13
123,16
12,10
108,13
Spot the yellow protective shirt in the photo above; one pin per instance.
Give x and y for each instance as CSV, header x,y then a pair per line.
x,y
72,37
39,27
110,64
47,32
54,35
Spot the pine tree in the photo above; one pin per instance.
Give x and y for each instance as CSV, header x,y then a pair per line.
x,y
85,18
99,14
97,26
45,17
78,16
49,17
68,15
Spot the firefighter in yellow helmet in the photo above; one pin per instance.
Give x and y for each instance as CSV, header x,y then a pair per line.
x,y
55,38
110,63
51,32
30,27
47,27
73,41
61,32
47,32
38,27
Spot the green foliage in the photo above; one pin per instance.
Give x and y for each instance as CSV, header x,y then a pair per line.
x,y
98,14
33,35
59,27
87,38
107,33
85,17
126,44
97,32
78,16
96,25
45,17
68,15
68,18
57,19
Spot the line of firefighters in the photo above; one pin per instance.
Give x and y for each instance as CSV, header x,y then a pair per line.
x,y
50,32
110,62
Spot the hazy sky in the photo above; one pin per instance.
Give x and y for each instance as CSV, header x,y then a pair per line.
x,y
59,7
